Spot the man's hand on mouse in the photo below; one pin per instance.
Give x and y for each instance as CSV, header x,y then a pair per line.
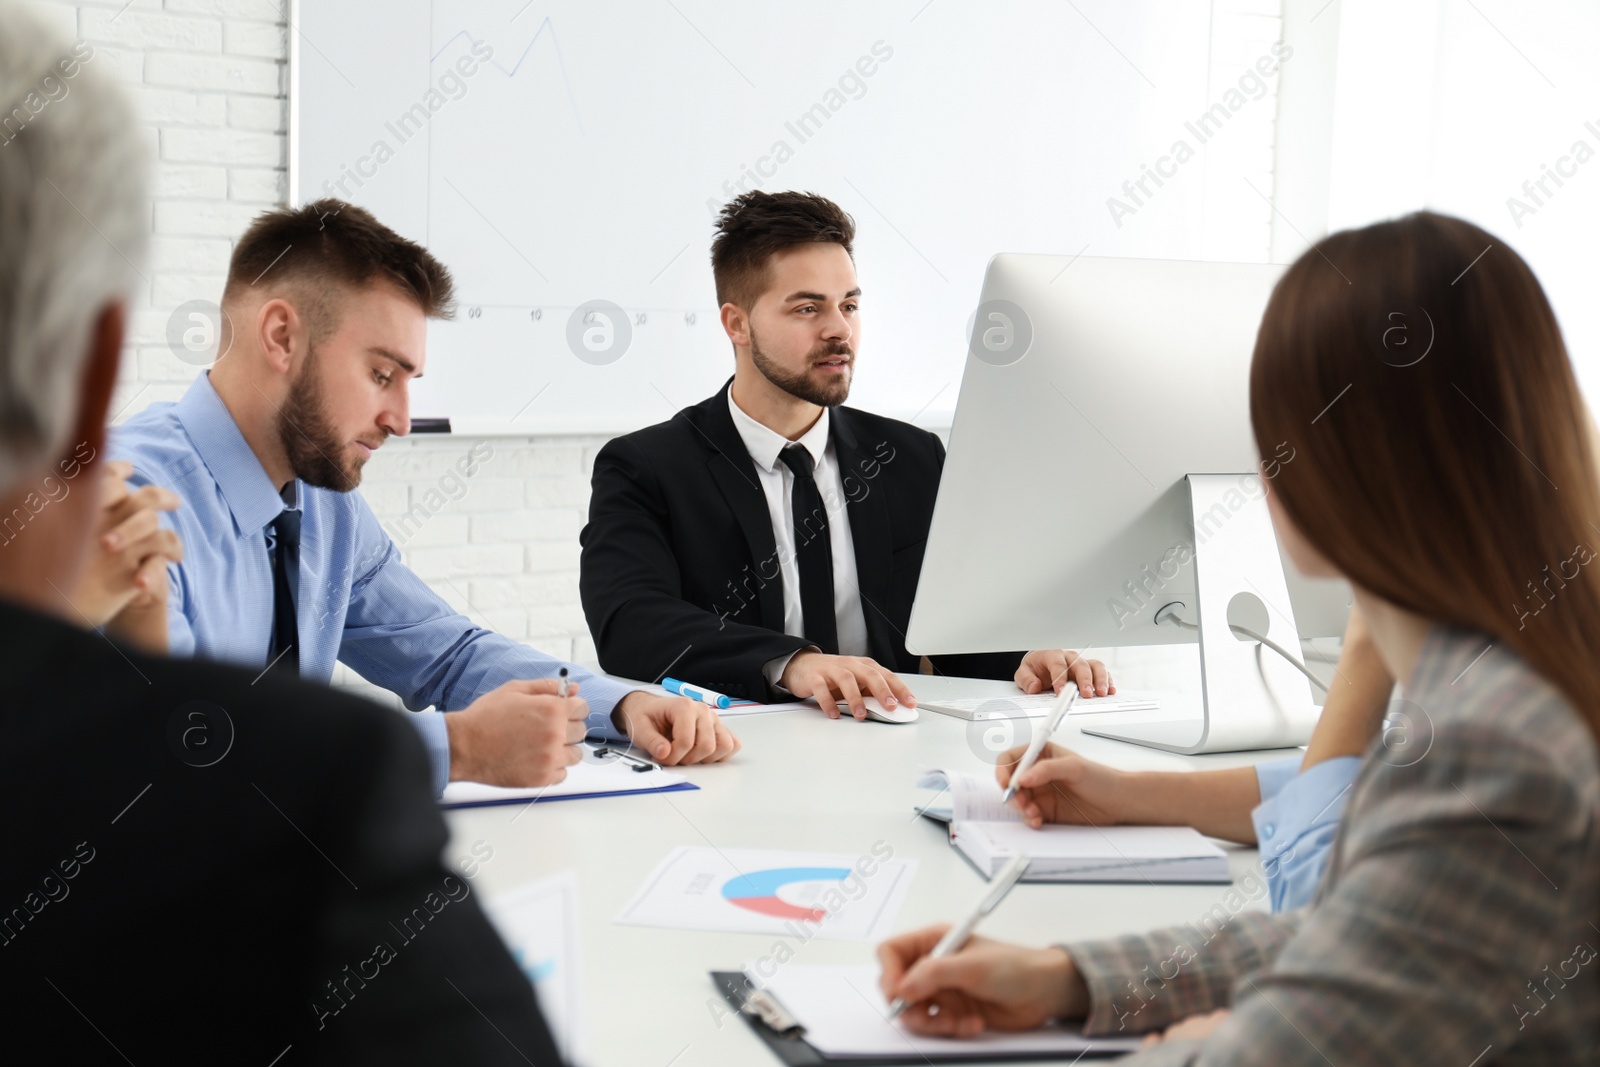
x,y
835,680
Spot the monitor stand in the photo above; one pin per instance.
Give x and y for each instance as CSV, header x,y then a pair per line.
x,y
1251,698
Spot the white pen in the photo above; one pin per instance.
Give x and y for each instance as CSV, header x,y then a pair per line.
x,y
1058,712
561,691
957,935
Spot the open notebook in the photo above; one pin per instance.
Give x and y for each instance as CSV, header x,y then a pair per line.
x,y
989,833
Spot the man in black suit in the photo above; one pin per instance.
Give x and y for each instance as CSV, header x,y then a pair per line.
x,y
200,866
767,541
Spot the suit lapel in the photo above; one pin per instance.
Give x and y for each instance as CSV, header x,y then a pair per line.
x,y
869,532
736,477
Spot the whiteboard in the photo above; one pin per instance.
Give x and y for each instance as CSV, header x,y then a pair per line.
x,y
558,154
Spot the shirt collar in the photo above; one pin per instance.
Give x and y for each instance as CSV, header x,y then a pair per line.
x,y
240,477
764,443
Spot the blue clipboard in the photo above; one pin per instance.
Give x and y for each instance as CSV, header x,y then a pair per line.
x,y
535,797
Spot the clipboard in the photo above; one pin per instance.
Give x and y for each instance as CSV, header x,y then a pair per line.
x,y
789,1044
457,805
621,776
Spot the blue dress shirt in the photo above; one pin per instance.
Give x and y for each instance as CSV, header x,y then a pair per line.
x,y
357,601
1296,821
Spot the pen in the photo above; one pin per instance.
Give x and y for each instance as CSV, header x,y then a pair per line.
x,y
694,692
1036,745
562,690
957,935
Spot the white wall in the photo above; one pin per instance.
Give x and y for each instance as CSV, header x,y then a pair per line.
x,y
1488,110
209,79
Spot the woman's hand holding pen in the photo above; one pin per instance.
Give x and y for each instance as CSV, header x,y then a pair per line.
x,y
1064,787
987,985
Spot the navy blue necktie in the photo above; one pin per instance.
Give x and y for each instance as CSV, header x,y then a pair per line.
x,y
284,654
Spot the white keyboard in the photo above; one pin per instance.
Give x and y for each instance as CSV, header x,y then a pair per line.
x,y
1036,706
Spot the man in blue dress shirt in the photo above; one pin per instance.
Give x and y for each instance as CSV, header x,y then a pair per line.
x,y
284,567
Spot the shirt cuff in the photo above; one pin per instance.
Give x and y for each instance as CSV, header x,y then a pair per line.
x,y
436,738
1295,829
1273,774
603,696
775,668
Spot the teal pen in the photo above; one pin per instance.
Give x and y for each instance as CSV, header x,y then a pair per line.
x,y
694,692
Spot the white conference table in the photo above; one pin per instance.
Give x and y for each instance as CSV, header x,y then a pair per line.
x,y
804,783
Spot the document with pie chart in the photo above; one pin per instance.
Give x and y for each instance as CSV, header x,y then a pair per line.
x,y
833,896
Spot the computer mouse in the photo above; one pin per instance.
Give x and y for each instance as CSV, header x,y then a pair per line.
x,y
876,712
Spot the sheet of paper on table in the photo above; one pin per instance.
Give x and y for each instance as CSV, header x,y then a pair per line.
x,y
836,897
743,707
539,924
845,1017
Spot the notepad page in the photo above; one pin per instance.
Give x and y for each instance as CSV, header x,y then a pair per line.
x,y
611,777
1087,848
972,796
845,1017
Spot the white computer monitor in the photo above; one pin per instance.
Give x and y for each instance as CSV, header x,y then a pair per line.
x,y
1102,467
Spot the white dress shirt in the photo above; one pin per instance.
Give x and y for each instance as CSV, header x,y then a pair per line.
x,y
777,482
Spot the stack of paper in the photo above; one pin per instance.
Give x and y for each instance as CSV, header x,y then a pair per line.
x,y
990,833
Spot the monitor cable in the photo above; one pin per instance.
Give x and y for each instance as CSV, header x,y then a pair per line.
x,y
1170,612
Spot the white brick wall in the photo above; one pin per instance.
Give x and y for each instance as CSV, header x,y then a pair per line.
x,y
209,80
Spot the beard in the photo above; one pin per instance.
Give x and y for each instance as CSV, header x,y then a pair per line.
x,y
309,440
829,393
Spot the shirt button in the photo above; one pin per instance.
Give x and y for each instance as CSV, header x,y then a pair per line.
x,y
1268,830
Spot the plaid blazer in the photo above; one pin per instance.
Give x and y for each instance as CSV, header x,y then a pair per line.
x,y
1458,920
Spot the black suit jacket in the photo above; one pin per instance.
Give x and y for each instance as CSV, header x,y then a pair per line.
x,y
156,908
680,570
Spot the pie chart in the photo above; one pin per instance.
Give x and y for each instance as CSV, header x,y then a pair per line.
x,y
758,891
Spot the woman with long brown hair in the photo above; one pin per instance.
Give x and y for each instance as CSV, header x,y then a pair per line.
x,y
1445,466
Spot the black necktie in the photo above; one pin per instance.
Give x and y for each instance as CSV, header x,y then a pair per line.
x,y
285,652
813,551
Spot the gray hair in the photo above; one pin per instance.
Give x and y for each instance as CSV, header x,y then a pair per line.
x,y
74,226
